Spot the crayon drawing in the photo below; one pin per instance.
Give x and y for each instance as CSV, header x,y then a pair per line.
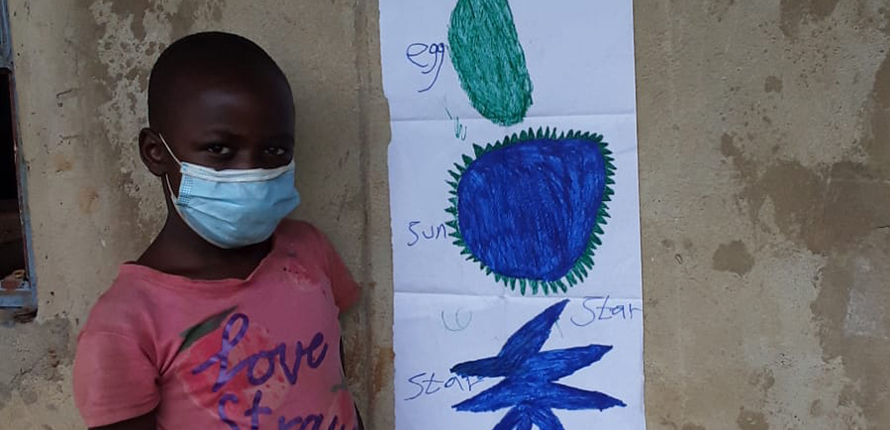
x,y
489,60
530,209
529,388
515,214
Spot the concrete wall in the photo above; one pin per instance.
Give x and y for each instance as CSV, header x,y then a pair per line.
x,y
765,185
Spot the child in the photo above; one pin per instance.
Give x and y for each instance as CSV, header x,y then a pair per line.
x,y
229,320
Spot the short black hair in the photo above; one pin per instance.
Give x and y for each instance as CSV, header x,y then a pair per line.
x,y
202,54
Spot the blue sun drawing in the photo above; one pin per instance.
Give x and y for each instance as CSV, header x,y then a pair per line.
x,y
529,209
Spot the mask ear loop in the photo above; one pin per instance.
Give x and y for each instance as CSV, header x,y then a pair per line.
x,y
166,176
169,151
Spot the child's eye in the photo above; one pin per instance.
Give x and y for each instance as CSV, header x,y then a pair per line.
x,y
219,149
276,150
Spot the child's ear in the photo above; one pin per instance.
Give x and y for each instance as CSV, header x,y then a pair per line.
x,y
153,153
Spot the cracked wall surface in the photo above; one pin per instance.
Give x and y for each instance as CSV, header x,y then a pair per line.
x,y
765,182
764,138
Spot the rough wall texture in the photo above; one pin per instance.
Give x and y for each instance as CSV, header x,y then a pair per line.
x,y
765,184
765,164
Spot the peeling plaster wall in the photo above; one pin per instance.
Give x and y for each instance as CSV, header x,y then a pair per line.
x,y
765,184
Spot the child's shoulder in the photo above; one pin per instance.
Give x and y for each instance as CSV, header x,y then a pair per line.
x,y
122,308
139,295
302,233
297,228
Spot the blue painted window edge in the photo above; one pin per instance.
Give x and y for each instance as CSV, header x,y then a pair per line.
x,y
25,295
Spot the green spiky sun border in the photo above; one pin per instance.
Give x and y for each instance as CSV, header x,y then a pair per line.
x,y
584,263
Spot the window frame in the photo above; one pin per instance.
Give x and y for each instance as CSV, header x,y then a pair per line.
x,y
24,296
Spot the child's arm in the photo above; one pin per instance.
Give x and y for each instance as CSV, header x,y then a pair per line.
x,y
115,381
145,422
346,293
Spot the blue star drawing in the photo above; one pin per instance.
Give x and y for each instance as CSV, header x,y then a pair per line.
x,y
529,387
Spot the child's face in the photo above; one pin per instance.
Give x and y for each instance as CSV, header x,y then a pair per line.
x,y
223,122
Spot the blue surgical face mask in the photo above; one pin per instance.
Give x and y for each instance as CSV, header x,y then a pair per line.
x,y
233,208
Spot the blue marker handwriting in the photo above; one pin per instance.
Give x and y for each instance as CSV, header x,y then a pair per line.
x,y
429,58
599,308
420,231
427,384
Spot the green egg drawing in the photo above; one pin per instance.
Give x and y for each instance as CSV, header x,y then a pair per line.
x,y
489,60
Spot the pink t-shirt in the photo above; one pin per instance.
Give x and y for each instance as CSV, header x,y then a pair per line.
x,y
260,353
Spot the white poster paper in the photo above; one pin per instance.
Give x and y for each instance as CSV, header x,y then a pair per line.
x,y
515,214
